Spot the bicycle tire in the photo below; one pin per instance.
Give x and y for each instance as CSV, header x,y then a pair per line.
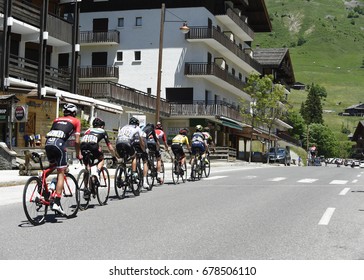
x,y
175,173
194,170
103,189
151,172
184,175
136,184
207,168
83,181
120,182
71,196
34,209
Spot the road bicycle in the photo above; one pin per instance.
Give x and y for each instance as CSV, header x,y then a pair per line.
x,y
200,166
37,196
91,184
124,180
152,175
179,171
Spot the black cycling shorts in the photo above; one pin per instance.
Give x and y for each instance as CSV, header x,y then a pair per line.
x,y
94,149
56,152
153,147
177,149
125,149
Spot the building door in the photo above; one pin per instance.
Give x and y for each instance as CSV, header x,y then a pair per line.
x,y
99,64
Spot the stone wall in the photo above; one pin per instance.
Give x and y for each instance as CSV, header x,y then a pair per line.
x,y
7,157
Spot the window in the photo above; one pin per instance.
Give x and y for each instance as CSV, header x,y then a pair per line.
x,y
137,55
119,56
149,91
120,22
138,21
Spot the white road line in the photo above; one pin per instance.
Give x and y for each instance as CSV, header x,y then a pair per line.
x,y
358,175
214,177
250,177
344,191
327,216
354,181
338,182
277,179
307,180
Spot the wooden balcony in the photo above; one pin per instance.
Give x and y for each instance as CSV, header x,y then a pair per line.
x,y
29,13
201,108
237,24
99,38
27,70
123,95
211,69
219,40
98,72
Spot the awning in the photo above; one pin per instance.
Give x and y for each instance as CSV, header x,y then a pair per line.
x,y
232,125
230,122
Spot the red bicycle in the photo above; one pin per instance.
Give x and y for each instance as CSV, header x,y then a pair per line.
x,y
36,195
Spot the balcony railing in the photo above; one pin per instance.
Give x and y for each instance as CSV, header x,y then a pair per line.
x,y
195,69
98,72
27,70
91,37
240,22
213,33
201,108
30,14
123,95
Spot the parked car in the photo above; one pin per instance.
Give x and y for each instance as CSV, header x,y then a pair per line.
x,y
361,164
355,163
280,155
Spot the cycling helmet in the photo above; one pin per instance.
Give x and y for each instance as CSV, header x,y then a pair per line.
x,y
97,122
134,121
69,109
199,128
183,131
159,126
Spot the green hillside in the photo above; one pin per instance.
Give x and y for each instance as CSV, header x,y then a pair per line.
x,y
326,43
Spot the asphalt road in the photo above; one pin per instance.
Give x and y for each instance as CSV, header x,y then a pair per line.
x,y
262,213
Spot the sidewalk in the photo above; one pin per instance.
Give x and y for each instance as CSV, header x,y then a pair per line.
x,y
10,178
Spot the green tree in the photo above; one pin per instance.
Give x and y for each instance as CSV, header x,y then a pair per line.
x,y
267,101
323,138
297,122
311,110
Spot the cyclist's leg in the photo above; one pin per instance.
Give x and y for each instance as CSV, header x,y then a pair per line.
x,y
59,155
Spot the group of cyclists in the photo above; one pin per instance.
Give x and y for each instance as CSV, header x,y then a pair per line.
x,y
132,140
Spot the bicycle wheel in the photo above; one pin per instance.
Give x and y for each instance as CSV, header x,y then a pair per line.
x,y
151,175
34,209
71,196
120,182
103,189
184,172
136,183
194,170
175,172
207,167
85,193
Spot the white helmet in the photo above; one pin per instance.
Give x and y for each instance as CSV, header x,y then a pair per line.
x,y
70,109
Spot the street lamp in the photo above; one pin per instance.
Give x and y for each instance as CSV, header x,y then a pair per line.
x,y
184,29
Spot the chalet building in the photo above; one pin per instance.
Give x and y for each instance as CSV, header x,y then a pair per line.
x,y
39,52
203,72
358,138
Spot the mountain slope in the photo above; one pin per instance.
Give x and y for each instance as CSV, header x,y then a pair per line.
x,y
326,43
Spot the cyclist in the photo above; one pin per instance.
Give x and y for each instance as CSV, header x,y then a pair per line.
x,y
130,141
55,147
161,138
90,141
177,144
198,142
152,144
209,141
